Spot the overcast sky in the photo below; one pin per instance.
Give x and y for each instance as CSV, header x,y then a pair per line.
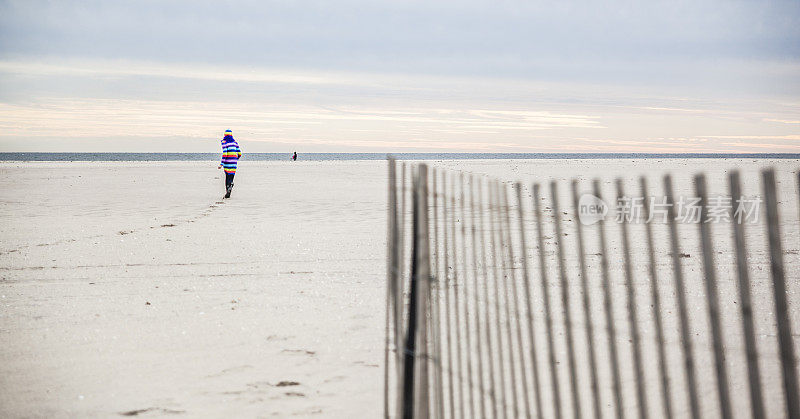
x,y
569,76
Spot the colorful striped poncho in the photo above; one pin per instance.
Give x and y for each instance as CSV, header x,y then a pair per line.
x,y
230,154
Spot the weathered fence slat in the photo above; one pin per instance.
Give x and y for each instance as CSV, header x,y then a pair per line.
x,y
633,323
438,385
505,295
791,389
656,298
713,299
514,297
456,285
528,303
476,279
448,285
587,317
434,360
680,295
609,310
465,288
562,274
391,272
753,373
422,261
487,306
497,279
409,350
400,286
546,298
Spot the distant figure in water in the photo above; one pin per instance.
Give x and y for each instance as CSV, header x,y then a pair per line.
x,y
230,157
294,156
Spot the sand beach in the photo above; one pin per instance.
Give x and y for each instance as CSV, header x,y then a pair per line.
x,y
131,288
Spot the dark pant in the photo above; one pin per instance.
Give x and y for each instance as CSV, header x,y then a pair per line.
x,y
229,179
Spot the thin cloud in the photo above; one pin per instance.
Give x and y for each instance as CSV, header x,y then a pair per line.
x,y
792,137
108,68
766,146
782,121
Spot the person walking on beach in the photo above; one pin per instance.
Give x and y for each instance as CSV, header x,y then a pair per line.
x,y
294,156
230,157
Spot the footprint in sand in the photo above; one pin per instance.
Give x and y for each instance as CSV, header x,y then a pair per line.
x,y
362,363
310,411
299,352
335,379
259,384
138,412
240,368
262,384
232,392
287,384
278,337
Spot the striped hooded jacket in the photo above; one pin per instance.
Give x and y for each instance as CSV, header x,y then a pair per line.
x,y
230,153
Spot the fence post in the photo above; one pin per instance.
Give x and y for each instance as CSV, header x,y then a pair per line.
x,y
423,264
420,278
400,286
391,275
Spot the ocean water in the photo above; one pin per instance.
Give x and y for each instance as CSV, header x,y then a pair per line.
x,y
23,156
